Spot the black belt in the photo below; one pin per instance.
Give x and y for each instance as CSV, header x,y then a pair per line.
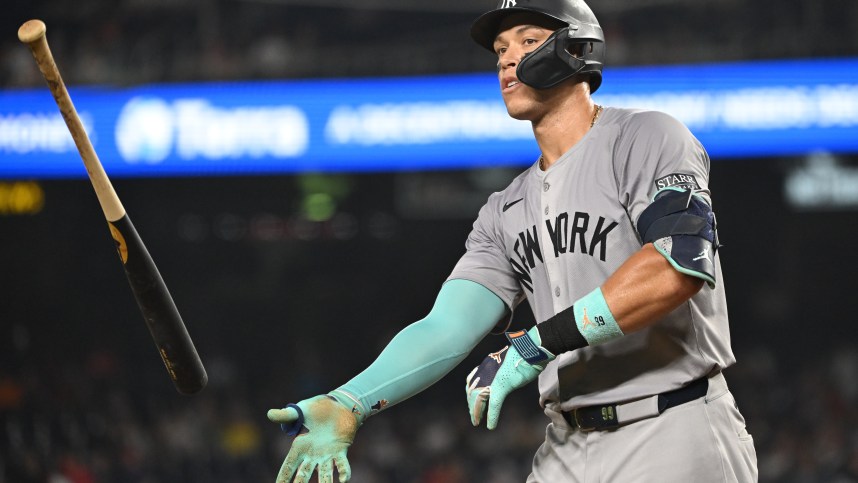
x,y
606,416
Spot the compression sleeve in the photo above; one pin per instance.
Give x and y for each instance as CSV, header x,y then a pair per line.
x,y
422,353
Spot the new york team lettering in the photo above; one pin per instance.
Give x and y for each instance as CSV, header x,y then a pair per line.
x,y
526,247
565,238
578,236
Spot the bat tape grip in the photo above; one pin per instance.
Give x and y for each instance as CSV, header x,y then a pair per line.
x,y
293,428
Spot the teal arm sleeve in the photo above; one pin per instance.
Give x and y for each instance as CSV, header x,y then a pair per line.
x,y
425,351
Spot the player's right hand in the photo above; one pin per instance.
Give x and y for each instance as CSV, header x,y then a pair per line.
x,y
325,430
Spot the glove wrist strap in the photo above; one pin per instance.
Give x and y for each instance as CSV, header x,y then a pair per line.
x,y
527,348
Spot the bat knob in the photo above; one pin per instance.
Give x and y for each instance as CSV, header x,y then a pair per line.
x,y
31,31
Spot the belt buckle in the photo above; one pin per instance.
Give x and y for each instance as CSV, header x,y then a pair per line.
x,y
578,424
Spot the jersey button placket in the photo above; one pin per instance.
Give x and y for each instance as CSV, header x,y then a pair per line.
x,y
551,268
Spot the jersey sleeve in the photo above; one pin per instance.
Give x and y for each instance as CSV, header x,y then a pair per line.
x,y
654,152
485,261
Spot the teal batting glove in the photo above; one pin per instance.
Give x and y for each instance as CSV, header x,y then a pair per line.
x,y
504,371
323,429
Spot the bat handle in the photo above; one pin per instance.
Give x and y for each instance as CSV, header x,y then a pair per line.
x,y
32,33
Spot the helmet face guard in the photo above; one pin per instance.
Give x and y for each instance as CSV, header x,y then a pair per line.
x,y
552,62
577,47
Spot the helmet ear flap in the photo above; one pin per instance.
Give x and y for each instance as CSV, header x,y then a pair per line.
x,y
579,50
551,63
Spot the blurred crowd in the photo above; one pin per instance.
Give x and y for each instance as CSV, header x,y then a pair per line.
x,y
94,421
131,42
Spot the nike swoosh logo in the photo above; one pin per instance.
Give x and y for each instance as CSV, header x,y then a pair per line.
x,y
509,205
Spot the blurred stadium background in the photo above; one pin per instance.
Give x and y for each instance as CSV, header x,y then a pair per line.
x,y
293,269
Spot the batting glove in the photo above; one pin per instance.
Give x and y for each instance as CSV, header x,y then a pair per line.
x,y
504,371
323,429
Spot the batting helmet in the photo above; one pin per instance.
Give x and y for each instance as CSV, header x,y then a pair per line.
x,y
576,48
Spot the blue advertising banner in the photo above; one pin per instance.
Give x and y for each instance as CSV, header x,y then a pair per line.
x,y
440,122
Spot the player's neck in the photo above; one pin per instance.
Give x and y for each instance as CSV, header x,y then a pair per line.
x,y
564,125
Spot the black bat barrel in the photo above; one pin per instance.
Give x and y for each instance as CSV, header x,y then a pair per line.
x,y
159,311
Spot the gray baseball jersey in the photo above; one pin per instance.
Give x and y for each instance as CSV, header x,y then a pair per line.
x,y
553,236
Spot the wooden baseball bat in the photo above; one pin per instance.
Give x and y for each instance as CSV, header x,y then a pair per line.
x,y
159,311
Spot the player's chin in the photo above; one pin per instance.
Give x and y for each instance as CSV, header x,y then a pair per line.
x,y
520,107
519,112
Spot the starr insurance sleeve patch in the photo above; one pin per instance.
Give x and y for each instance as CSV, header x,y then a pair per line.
x,y
677,180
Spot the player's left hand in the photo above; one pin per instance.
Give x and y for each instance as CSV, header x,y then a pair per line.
x,y
325,429
503,372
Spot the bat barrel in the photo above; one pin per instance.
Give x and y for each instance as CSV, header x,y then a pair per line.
x,y
159,311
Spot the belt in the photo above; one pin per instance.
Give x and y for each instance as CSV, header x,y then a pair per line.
x,y
608,416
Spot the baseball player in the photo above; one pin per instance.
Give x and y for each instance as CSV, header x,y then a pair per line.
x,y
611,237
